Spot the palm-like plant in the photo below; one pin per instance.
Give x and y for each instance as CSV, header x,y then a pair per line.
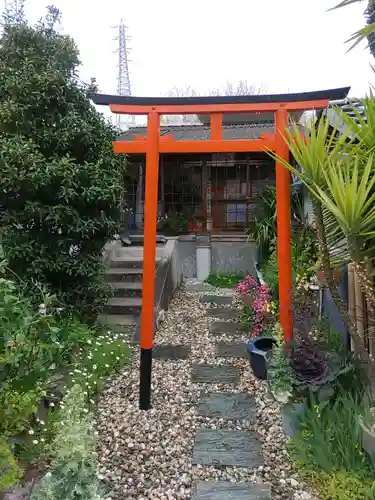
x,y
349,196
368,31
313,152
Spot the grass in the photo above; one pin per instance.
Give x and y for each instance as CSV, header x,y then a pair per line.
x,y
224,280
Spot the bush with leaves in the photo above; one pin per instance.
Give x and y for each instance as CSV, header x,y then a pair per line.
x,y
72,474
60,184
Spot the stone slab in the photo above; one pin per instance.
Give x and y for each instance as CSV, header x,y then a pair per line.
x,y
222,490
228,406
223,312
199,287
171,351
231,350
225,328
227,448
220,300
214,374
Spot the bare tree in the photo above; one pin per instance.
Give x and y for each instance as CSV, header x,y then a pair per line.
x,y
242,87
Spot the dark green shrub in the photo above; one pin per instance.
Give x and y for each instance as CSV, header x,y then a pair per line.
x,y
60,181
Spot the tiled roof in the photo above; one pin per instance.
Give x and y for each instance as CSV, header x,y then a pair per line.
x,y
202,132
346,105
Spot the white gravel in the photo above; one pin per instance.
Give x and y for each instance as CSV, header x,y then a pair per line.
x,y
147,455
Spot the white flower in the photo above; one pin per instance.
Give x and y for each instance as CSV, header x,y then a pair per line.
x,y
42,440
41,422
89,341
52,404
107,366
35,441
31,432
94,367
118,359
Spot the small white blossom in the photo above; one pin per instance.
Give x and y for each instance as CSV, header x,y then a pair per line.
x,y
31,432
35,441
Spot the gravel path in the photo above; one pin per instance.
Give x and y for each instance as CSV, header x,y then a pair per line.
x,y
148,455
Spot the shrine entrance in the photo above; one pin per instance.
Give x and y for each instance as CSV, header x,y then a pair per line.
x,y
280,106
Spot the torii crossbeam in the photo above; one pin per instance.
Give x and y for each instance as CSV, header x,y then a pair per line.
x,y
215,106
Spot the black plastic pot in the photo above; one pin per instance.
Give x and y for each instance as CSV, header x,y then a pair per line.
x,y
257,349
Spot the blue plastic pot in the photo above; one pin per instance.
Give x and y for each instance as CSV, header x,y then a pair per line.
x,y
257,349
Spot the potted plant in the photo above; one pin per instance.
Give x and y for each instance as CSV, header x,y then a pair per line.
x,y
279,372
320,276
257,349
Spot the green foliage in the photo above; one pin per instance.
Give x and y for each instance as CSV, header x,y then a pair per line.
x,y
10,472
178,222
329,436
98,359
60,186
263,229
72,473
16,408
223,280
345,485
279,373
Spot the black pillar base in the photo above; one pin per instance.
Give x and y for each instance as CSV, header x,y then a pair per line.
x,y
145,369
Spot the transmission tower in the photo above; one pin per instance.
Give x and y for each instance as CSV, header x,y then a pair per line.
x,y
123,75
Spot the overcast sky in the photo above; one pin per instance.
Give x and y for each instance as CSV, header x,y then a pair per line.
x,y
284,45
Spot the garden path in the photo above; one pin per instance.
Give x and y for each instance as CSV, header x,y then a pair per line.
x,y
212,433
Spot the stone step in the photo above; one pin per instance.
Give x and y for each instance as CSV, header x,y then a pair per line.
x,y
126,262
215,374
219,300
130,261
227,448
225,328
118,322
171,351
223,313
231,350
228,406
127,289
123,305
222,490
115,275
198,287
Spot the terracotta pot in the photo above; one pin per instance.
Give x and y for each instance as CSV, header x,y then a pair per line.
x,y
337,276
247,299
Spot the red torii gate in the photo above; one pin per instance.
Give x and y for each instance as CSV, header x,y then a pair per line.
x,y
154,144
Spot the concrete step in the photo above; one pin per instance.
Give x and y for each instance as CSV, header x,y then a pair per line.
x,y
123,305
127,289
115,275
223,490
126,262
118,322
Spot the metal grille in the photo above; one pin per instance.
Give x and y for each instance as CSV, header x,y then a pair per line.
x,y
224,189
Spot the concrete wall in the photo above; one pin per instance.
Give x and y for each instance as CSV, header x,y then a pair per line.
x,y
227,255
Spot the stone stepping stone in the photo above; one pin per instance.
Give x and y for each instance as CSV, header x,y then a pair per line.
x,y
215,374
222,490
229,406
171,351
223,312
199,287
219,300
225,328
231,350
227,448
